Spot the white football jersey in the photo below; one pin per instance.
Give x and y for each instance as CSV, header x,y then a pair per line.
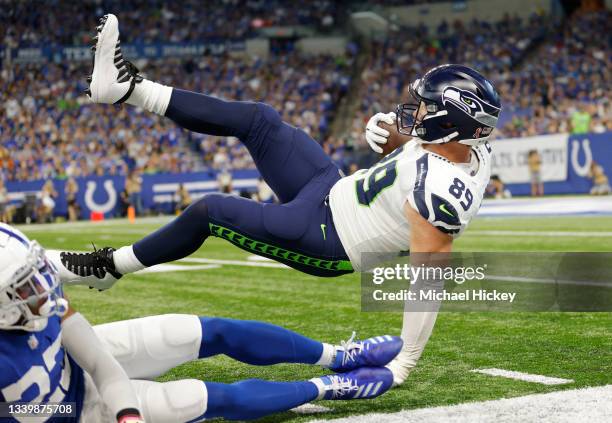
x,y
368,206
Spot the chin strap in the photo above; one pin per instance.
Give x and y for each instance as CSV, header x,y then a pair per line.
x,y
474,141
444,140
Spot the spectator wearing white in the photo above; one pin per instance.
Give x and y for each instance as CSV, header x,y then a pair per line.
x,y
225,181
264,192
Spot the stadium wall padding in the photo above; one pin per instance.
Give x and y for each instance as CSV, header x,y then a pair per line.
x,y
102,193
566,162
60,54
580,151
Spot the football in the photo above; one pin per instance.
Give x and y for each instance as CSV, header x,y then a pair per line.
x,y
394,140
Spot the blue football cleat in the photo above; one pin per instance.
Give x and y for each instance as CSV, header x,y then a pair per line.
x,y
363,383
375,352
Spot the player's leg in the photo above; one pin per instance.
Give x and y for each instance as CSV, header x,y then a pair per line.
x,y
286,157
148,347
300,234
193,400
290,234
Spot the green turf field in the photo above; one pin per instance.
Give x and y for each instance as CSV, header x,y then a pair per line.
x,y
575,346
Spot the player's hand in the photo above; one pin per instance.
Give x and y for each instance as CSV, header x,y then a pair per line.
x,y
375,135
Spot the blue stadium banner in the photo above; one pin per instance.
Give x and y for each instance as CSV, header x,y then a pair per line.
x,y
132,51
102,194
566,161
583,151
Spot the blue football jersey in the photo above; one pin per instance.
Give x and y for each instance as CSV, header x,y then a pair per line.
x,y
34,367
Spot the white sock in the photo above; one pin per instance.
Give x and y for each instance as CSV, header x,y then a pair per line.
x,y
320,386
151,96
327,356
126,261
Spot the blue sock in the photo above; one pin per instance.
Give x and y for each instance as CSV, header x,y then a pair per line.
x,y
256,343
254,398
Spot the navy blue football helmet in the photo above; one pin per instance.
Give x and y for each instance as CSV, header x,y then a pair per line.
x,y
460,104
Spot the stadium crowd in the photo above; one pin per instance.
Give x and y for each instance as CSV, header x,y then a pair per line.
x,y
24,23
559,88
48,129
564,86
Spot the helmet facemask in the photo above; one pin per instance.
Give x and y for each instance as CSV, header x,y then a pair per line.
x,y
32,294
412,116
407,115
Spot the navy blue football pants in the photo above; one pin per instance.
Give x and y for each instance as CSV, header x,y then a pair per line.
x,y
299,232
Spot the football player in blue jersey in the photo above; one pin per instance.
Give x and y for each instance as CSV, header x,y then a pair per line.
x,y
326,221
50,354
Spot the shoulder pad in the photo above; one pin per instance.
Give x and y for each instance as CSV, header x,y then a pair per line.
x,y
441,197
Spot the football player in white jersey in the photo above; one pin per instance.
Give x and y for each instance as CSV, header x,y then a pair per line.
x,y
418,198
50,354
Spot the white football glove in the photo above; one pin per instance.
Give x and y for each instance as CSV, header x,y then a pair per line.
x,y
375,135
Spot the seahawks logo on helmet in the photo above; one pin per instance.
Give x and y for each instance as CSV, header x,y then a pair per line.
x,y
470,104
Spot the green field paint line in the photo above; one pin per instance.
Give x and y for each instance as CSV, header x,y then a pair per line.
x,y
262,248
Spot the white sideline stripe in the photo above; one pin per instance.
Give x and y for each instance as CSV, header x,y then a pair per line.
x,y
272,264
585,234
310,409
234,262
569,406
203,185
160,268
527,377
45,227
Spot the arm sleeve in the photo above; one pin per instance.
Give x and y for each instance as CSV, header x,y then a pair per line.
x,y
418,323
110,379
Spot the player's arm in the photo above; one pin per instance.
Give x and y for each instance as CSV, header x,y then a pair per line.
x,y
428,246
114,386
424,237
